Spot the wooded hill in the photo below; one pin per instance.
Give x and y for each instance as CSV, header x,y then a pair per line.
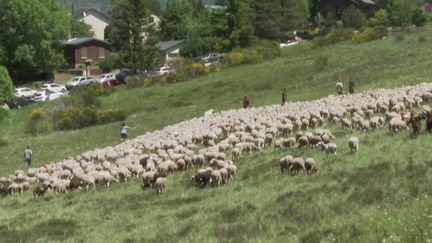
x,y
103,5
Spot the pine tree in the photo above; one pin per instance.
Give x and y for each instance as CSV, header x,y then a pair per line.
x,y
133,33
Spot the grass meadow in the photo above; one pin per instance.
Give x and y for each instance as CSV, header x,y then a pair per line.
x,y
382,193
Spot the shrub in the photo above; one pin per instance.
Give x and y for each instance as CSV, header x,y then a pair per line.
x,y
369,34
320,63
199,69
37,113
234,58
252,56
135,82
418,17
268,49
110,63
35,124
421,39
353,17
111,115
6,86
339,34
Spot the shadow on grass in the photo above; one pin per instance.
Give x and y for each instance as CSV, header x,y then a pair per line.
x,y
52,230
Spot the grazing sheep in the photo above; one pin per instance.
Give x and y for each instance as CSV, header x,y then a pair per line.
x,y
346,124
416,124
160,184
329,148
285,163
396,124
147,178
232,171
310,166
303,141
353,144
216,178
40,190
297,165
429,124
201,178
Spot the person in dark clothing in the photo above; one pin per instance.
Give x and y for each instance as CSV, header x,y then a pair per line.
x,y
284,96
351,85
28,154
246,102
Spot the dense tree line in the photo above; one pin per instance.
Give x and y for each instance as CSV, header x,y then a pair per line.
x,y
33,30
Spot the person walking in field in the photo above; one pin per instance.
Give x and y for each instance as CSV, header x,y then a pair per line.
x,y
246,102
351,86
28,154
123,131
284,96
339,87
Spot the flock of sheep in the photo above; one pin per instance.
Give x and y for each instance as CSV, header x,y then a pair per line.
x,y
213,143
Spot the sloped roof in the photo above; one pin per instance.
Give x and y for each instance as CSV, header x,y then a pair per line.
x,y
79,41
87,11
168,45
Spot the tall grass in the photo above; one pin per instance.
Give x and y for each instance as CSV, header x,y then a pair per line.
x,y
381,193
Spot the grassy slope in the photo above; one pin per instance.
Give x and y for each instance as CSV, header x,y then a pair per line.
x,y
376,194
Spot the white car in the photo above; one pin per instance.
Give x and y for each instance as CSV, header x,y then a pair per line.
x,y
40,97
79,81
53,88
106,77
25,92
162,70
54,96
288,43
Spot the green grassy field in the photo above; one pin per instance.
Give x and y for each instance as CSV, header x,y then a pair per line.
x,y
380,194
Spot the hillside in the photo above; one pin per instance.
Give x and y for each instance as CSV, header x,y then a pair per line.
x,y
381,193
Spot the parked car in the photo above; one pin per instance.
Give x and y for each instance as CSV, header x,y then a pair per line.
x,y
79,81
163,70
122,75
288,43
105,78
54,96
40,97
210,58
113,82
53,88
25,92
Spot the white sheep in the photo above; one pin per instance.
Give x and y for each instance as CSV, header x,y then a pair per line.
x,y
353,144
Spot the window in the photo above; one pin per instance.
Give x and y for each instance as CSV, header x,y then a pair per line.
x,y
84,53
101,52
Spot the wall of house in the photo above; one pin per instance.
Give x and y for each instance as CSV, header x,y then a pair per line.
x,y
93,52
98,26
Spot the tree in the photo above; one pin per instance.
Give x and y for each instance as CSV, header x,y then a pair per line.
x,y
353,17
80,29
174,20
134,33
400,11
6,86
234,24
273,17
382,18
418,17
31,33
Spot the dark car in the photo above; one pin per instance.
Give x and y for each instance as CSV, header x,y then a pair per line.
x,y
121,76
